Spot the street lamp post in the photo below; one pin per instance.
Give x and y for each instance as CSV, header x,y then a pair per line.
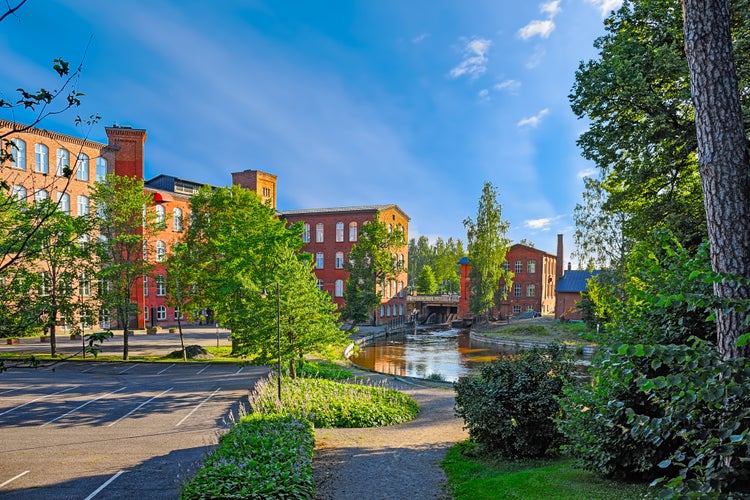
x,y
278,335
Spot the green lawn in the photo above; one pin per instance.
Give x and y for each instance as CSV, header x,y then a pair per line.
x,y
474,478
567,333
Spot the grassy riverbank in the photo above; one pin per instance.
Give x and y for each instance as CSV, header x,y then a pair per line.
x,y
540,330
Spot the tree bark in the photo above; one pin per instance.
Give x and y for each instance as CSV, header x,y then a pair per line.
x,y
723,157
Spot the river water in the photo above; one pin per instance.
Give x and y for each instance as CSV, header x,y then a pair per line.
x,y
448,354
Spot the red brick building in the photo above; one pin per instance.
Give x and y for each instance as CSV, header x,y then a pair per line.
x,y
329,236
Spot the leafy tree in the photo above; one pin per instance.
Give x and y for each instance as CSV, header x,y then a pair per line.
x,y
420,254
487,248
371,264
724,158
125,223
248,266
181,285
426,283
442,257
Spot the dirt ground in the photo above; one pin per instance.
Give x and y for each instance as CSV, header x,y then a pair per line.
x,y
395,462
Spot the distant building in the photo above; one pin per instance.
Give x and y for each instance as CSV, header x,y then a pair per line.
x,y
569,292
330,234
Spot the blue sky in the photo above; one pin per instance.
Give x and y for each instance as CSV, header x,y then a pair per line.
x,y
349,102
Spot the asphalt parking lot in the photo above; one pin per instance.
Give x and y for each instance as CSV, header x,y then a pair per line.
x,y
83,430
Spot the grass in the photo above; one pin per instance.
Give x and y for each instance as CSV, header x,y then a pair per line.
x,y
477,478
567,333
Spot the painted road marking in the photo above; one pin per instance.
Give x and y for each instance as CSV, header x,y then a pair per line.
x,y
14,478
100,488
84,404
240,370
138,407
203,369
201,404
165,369
39,399
15,389
126,369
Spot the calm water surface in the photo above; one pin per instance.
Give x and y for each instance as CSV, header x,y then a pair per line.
x,y
449,353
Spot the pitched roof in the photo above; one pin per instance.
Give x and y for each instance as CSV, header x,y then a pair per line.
x,y
574,281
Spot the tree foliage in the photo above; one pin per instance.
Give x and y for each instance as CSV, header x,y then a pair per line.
x,y
426,283
372,263
487,246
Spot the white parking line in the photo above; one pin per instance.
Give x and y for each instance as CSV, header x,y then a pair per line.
x,y
126,369
100,488
84,404
14,478
202,369
165,369
194,409
39,399
138,407
240,370
15,389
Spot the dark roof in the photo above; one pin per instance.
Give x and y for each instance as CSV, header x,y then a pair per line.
x,y
464,260
574,281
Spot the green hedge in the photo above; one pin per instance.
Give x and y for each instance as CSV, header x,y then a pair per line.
x,y
264,456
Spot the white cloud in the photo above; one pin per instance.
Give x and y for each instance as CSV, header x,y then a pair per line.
x,y
511,86
589,172
551,8
537,28
533,121
542,224
536,58
606,6
420,38
475,58
484,94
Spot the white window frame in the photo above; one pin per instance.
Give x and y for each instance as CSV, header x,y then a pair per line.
x,y
41,158
339,260
62,160
84,205
82,167
177,225
161,215
161,313
338,288
161,286
517,290
339,232
319,260
63,202
352,231
101,169
319,232
531,267
518,267
531,290
306,233
18,153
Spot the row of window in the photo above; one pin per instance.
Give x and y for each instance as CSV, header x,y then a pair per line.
x,y
518,266
390,310
62,160
391,289
320,236
338,262
517,309
177,218
63,199
161,313
530,290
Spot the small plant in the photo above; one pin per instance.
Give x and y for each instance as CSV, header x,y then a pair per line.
x,y
437,377
323,369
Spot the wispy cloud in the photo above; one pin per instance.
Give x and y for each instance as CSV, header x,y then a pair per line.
x,y
606,6
533,121
510,86
542,224
475,58
586,173
542,27
420,38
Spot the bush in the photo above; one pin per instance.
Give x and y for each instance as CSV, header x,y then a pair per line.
x,y
510,409
332,404
323,369
264,456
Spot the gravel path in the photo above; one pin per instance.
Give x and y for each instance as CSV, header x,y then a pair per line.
x,y
400,461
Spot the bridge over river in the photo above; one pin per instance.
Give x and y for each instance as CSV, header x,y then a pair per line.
x,y
434,309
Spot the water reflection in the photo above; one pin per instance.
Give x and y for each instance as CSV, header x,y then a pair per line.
x,y
448,353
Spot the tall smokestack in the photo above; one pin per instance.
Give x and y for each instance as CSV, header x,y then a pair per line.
x,y
560,257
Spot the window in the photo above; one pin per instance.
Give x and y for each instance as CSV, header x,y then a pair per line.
x,y
85,319
518,267
63,200
62,161
319,284
161,287
161,215
82,167
400,309
161,313
382,311
516,309
177,219
530,290
177,313
18,153
161,251
101,169
104,321
506,266
83,205
41,158
338,290
319,260
266,192
83,241
145,285
306,233
516,290
531,267
84,285
45,285
339,232
319,233
145,250
145,313
339,260
19,193
41,195
352,231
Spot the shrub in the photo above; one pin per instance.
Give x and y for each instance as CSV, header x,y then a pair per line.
x,y
510,408
264,456
323,369
332,404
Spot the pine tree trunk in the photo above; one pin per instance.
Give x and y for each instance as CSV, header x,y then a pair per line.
x,y
722,154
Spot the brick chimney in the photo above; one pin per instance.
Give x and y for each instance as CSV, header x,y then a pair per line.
x,y
127,142
559,264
